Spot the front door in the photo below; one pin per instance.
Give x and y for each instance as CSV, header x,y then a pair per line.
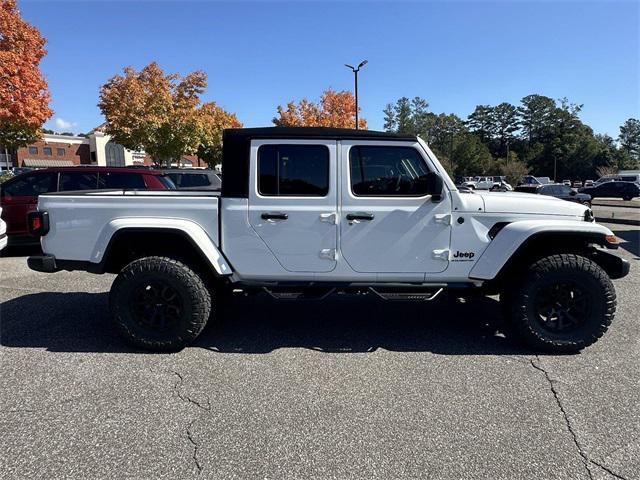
x,y
293,202
387,222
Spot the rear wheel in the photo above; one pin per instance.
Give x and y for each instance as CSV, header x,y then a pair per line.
x,y
159,303
564,303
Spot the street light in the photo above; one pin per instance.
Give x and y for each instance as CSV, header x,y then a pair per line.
x,y
355,71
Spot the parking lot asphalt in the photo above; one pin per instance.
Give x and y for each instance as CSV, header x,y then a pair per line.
x,y
345,388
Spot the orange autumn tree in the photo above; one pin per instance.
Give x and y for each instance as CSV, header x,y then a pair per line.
x,y
214,119
24,95
162,114
335,109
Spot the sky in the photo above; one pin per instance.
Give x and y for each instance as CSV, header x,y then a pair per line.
x,y
258,55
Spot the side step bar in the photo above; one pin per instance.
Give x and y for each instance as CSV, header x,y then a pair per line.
x,y
420,294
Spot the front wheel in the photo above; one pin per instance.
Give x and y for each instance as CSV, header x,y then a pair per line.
x,y
565,303
159,304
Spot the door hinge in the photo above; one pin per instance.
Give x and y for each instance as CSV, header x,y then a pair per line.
x,y
444,218
441,254
328,253
329,218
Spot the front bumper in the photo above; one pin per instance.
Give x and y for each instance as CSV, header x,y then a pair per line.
x,y
43,263
615,266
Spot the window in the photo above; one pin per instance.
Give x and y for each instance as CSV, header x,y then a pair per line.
x,y
60,152
121,180
77,181
184,180
387,171
300,170
33,150
31,185
47,151
548,190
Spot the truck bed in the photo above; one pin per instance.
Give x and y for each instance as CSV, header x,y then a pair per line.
x,y
81,223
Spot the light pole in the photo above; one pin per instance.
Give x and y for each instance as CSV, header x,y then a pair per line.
x,y
355,71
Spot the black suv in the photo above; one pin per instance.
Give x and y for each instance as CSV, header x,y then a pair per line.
x,y
615,189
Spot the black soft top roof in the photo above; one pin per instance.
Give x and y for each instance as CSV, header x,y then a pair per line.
x,y
309,132
237,141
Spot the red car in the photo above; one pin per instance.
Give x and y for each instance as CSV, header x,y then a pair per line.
x,y
19,196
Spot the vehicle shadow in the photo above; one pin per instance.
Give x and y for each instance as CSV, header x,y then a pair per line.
x,y
632,240
79,322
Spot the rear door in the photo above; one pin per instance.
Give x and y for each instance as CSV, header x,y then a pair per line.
x,y
293,202
388,224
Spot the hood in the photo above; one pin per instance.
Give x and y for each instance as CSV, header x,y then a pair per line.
x,y
516,202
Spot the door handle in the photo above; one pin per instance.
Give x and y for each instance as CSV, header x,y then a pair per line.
x,y
360,216
274,216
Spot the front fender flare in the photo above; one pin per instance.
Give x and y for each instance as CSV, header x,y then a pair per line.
x,y
192,230
515,234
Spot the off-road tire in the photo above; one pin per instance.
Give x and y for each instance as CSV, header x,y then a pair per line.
x,y
524,319
187,289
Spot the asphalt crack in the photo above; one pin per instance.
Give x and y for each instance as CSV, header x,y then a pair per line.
x,y
581,451
202,407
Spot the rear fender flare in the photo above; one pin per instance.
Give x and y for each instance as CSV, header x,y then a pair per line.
x,y
194,232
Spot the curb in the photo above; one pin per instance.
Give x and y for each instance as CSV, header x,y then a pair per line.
x,y
623,221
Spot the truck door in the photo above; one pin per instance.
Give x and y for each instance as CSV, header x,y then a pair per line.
x,y
293,202
387,222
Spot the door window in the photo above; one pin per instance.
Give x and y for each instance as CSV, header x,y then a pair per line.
x,y
387,171
32,185
293,170
77,181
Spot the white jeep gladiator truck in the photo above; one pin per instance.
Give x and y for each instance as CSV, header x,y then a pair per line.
x,y
305,212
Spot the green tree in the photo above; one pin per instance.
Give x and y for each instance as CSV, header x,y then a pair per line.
x,y
535,114
630,138
481,121
471,156
505,123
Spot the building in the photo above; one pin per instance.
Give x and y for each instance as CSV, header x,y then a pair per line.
x,y
96,148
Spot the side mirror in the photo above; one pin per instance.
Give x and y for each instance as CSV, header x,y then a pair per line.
x,y
434,185
573,193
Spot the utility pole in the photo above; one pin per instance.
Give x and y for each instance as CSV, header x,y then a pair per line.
x,y
355,71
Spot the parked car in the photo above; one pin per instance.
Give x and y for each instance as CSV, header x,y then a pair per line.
x,y
19,195
576,184
531,180
620,177
3,232
567,182
307,212
558,190
613,189
495,183
194,179
588,183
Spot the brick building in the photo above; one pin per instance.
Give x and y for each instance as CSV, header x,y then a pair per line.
x,y
55,150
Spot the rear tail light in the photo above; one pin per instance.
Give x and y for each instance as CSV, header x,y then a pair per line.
x,y
38,223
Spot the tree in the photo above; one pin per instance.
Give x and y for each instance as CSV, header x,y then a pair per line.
x,y
24,95
514,170
504,125
630,138
471,156
161,114
214,120
534,115
335,109
481,121
410,117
